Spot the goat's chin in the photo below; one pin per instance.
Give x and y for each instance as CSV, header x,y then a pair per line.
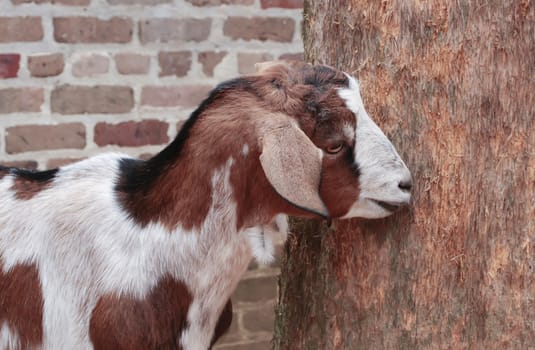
x,y
368,208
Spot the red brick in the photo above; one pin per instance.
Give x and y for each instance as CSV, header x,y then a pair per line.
x,y
246,61
26,29
209,60
292,56
280,29
131,63
44,137
92,30
62,2
21,164
255,290
175,63
167,30
9,65
138,2
58,162
88,65
260,319
220,2
174,96
23,99
133,134
287,4
75,99
47,65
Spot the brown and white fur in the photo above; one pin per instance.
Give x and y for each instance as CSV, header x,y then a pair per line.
x,y
118,253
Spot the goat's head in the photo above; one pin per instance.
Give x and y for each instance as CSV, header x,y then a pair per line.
x,y
321,151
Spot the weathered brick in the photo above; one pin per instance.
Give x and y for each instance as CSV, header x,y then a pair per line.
x,y
46,65
62,2
260,319
166,30
26,29
138,2
75,99
186,96
91,64
9,65
58,162
131,63
177,63
246,61
133,134
209,60
92,30
292,56
287,4
280,29
253,290
44,137
220,2
25,99
21,164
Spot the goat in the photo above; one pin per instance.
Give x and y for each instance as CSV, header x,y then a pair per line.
x,y
114,252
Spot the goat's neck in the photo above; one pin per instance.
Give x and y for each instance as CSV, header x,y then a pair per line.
x,y
182,192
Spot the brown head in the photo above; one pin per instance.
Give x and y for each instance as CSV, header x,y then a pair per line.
x,y
320,149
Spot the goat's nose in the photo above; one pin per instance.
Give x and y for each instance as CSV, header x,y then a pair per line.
x,y
405,185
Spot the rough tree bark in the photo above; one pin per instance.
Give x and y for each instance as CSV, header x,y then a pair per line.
x,y
452,83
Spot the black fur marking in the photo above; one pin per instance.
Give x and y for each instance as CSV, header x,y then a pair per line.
x,y
131,174
353,165
37,176
30,175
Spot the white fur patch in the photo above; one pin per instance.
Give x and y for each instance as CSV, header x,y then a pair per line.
x,y
381,168
9,339
223,258
245,150
261,238
349,132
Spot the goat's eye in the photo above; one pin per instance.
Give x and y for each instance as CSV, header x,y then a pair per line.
x,y
334,148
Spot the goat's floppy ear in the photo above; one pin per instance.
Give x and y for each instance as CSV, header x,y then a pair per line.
x,y
292,163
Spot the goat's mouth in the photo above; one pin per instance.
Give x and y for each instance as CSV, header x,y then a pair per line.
x,y
388,206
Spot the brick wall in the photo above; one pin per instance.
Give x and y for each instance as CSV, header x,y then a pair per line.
x,y
82,77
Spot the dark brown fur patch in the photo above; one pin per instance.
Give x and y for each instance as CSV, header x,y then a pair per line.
x,y
223,323
21,303
339,187
28,183
156,322
178,196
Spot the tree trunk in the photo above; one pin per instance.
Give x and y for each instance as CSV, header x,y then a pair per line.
x,y
452,83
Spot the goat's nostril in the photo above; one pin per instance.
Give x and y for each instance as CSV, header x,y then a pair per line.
x,y
405,185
